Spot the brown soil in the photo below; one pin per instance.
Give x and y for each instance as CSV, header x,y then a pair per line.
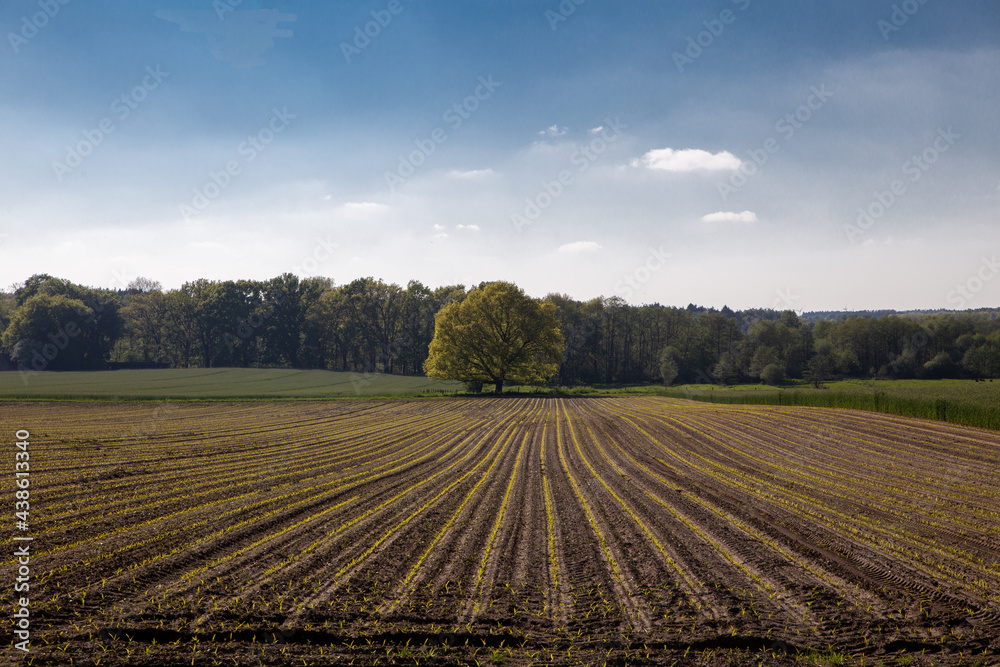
x,y
417,532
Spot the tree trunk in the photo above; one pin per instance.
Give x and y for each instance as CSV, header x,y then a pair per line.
x,y
499,387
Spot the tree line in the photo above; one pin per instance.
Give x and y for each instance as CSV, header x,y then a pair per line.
x,y
370,326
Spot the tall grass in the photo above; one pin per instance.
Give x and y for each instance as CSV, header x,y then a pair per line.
x,y
984,413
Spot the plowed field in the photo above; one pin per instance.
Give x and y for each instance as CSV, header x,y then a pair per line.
x,y
505,531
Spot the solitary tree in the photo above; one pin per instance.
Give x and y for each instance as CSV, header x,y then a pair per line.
x,y
818,369
496,334
668,365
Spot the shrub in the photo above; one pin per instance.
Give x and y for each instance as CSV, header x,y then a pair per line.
x,y
773,374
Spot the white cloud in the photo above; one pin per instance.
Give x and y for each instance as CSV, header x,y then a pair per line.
x,y
439,228
553,131
596,130
579,246
205,245
471,228
364,209
689,159
471,174
731,216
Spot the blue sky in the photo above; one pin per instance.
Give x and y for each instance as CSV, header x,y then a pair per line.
x,y
735,152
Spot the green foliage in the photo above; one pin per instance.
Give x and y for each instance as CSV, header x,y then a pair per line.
x,y
285,301
818,369
958,401
764,356
983,361
369,326
7,306
773,374
941,366
830,658
727,370
668,365
496,334
58,325
50,333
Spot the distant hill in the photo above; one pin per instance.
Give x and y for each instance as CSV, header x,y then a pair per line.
x,y
214,383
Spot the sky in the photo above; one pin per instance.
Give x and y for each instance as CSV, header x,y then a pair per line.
x,y
781,154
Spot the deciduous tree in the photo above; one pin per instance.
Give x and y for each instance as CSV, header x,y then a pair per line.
x,y
495,335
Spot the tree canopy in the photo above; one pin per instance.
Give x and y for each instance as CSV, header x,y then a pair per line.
x,y
58,325
496,334
368,326
50,332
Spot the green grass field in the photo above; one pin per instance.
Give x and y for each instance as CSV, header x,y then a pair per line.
x,y
960,401
214,383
